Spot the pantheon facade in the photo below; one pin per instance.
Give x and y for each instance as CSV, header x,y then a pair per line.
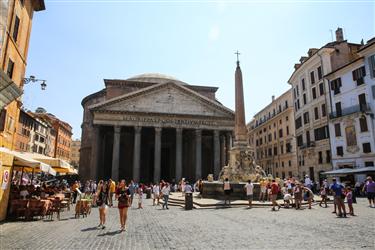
x,y
152,127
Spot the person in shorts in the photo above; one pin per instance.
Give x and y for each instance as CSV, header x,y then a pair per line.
x,y
370,190
155,194
122,195
263,189
338,190
249,187
273,193
102,201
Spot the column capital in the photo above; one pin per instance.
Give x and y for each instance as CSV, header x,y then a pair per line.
x,y
179,130
137,129
216,133
158,129
117,129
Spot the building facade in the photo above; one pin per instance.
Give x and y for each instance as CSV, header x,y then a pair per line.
x,y
311,103
15,27
74,156
151,127
351,125
271,135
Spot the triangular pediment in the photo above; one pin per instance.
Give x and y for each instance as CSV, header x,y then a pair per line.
x,y
165,98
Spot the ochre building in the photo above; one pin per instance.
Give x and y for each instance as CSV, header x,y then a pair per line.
x,y
151,127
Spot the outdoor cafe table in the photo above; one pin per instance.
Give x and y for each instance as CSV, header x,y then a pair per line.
x,y
44,205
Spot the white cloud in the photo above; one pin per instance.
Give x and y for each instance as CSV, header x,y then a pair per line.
x,y
214,33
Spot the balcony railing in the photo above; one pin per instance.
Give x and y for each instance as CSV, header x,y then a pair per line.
x,y
350,110
269,117
307,145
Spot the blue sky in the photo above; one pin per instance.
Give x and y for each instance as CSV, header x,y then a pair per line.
x,y
76,44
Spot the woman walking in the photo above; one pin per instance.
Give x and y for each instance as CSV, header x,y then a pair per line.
x,y
227,191
102,201
165,191
122,195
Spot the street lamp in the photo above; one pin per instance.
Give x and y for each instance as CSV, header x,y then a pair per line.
x,y
43,84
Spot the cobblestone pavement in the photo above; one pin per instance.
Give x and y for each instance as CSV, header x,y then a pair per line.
x,y
231,228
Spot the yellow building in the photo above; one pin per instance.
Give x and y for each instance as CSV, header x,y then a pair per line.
x,y
15,28
271,136
74,152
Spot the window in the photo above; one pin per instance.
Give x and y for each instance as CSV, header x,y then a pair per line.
x,y
290,174
321,89
281,149
308,139
297,91
290,164
3,115
269,137
280,133
320,75
358,75
303,84
338,109
321,133
287,130
313,93
288,147
328,156
306,118
299,140
371,62
298,122
270,152
316,113
10,68
337,129
312,77
304,99
320,157
274,135
366,147
275,151
324,110
369,163
286,118
286,104
363,124
373,92
336,85
362,102
340,151
15,28
298,106
280,121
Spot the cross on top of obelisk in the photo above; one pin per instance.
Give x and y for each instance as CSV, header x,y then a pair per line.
x,y
238,60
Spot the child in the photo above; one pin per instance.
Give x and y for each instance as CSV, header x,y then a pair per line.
x,y
140,198
349,199
323,195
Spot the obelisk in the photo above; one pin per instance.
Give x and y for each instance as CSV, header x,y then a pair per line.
x,y
240,131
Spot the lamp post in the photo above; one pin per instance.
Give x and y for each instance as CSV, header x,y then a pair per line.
x,y
43,84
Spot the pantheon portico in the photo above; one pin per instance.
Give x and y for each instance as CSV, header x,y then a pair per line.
x,y
151,127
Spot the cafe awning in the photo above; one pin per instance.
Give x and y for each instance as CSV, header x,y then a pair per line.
x,y
347,171
9,91
57,164
27,164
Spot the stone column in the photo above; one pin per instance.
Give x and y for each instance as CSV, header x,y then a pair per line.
x,y
157,155
92,172
178,154
216,154
223,153
198,154
116,153
137,153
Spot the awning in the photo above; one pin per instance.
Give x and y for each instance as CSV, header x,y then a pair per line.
x,y
57,164
346,171
9,91
28,164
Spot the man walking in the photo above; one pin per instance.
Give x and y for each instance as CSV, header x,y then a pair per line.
x,y
165,191
274,192
338,191
249,187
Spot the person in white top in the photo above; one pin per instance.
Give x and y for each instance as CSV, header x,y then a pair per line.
x,y
183,186
308,182
165,191
249,187
227,191
155,194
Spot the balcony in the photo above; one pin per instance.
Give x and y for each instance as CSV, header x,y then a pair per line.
x,y
269,117
350,110
307,145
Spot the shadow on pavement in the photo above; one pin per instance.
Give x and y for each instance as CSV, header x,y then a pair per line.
x,y
89,229
110,233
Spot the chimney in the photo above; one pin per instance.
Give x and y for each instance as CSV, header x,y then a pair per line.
x,y
273,98
339,35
